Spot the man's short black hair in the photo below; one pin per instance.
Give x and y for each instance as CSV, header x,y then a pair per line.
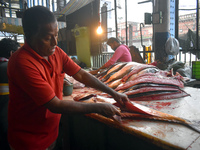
x,y
111,40
34,17
6,46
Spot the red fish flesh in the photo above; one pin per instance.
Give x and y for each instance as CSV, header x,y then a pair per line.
x,y
144,112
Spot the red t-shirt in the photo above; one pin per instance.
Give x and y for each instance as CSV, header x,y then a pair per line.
x,y
34,81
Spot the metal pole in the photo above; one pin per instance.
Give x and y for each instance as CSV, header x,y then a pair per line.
x,y
197,30
116,18
141,24
10,11
53,7
126,22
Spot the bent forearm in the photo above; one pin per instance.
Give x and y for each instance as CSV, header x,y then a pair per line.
x,y
102,67
67,106
71,107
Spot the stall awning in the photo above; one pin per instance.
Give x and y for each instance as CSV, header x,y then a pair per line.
x,y
74,5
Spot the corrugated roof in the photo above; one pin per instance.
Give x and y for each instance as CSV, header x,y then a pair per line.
x,y
74,5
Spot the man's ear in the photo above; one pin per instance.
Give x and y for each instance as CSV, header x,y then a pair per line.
x,y
11,52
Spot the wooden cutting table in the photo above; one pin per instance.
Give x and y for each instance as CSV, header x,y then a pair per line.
x,y
97,132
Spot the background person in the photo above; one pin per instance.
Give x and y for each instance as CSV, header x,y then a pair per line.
x,y
122,54
7,47
81,64
36,72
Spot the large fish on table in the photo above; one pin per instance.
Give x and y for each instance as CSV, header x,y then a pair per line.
x,y
159,92
149,71
158,95
137,69
148,89
151,79
153,95
104,72
114,84
138,111
115,68
119,74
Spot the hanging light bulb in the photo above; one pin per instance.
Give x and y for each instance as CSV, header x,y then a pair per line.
x,y
99,29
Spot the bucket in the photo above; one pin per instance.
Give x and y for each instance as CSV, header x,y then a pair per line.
x,y
196,70
67,89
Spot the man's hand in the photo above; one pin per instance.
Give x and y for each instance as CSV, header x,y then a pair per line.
x,y
94,72
107,110
121,98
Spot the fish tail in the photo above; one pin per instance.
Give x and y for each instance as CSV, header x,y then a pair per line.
x,y
194,124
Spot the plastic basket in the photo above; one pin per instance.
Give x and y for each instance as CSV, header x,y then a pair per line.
x,y
196,70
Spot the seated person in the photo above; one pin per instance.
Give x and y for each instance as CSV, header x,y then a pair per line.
x,y
122,54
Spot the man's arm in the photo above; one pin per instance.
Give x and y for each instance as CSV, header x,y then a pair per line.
x,y
71,107
91,81
94,72
64,106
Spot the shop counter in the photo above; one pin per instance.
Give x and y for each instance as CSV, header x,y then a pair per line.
x,y
96,132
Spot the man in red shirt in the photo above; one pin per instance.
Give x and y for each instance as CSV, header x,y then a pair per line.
x,y
36,73
122,54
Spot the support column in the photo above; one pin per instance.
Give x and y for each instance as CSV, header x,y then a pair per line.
x,y
116,26
161,32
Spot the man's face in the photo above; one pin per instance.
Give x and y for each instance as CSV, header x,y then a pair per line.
x,y
45,40
113,45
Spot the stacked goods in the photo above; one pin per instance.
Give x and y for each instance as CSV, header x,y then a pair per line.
x,y
143,81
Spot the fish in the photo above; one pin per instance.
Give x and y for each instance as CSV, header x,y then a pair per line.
x,y
158,96
151,89
136,79
151,79
135,110
103,72
115,68
147,72
99,75
83,96
148,91
137,86
119,74
114,84
144,72
107,77
136,76
136,70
